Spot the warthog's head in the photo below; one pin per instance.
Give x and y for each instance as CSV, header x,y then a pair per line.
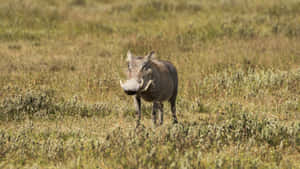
x,y
139,74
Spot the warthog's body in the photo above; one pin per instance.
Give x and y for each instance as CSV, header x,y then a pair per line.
x,y
154,81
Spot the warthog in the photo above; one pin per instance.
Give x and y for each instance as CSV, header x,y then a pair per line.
x,y
154,81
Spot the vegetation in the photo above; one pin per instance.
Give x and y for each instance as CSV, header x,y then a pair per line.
x,y
61,105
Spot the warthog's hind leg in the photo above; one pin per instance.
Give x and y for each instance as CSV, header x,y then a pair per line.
x,y
173,109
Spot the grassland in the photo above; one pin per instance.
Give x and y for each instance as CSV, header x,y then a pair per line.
x,y
239,96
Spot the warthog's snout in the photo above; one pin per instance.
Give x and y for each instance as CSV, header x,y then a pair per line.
x,y
132,86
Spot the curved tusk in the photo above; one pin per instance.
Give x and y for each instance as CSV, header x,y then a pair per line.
x,y
148,85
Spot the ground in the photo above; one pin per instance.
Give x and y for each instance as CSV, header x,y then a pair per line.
x,y
61,105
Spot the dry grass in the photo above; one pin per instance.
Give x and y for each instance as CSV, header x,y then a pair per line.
x,y
61,105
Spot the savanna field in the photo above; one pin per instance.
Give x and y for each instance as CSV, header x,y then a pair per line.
x,y
61,105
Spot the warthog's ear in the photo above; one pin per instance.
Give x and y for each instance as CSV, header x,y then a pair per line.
x,y
129,56
150,55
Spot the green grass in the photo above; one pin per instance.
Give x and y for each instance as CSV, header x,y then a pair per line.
x,y
61,105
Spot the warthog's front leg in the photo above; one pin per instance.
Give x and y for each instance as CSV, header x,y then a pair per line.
x,y
154,112
137,102
161,112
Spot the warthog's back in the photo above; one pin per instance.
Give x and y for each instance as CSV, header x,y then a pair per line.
x,y
165,82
